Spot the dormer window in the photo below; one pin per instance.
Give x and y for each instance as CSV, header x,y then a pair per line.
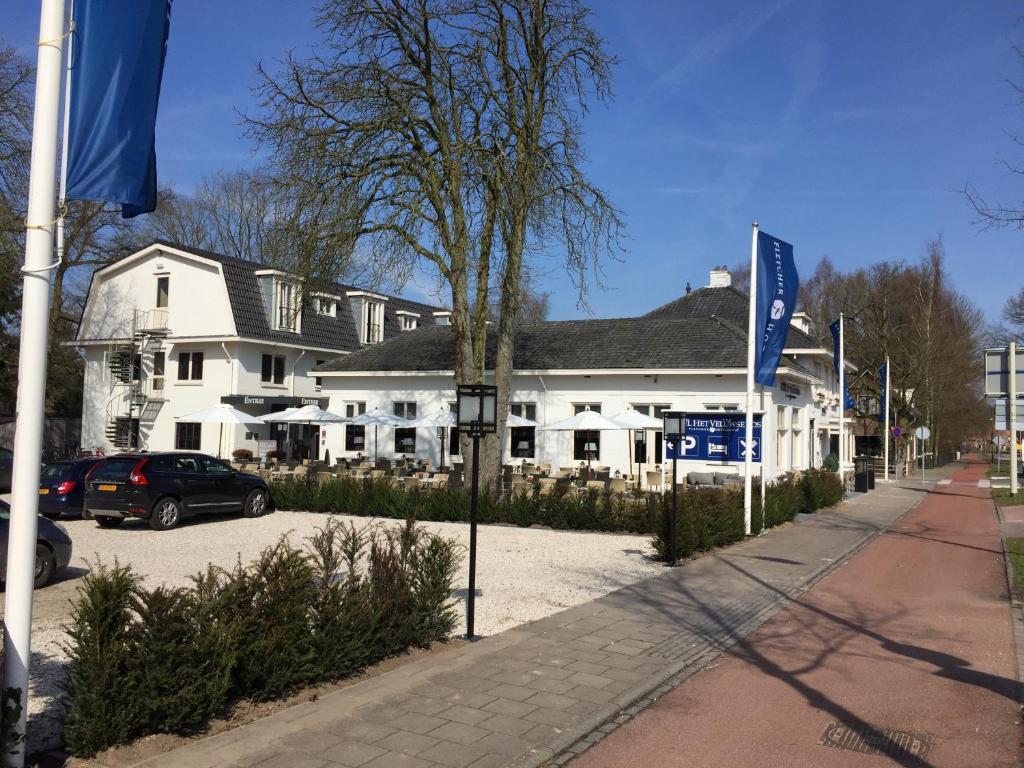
x,y
409,321
326,305
443,318
373,330
287,307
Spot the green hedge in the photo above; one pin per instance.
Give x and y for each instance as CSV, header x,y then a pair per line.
x,y
713,510
592,509
166,660
708,518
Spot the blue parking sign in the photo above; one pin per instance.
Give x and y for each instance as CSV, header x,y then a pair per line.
x,y
717,437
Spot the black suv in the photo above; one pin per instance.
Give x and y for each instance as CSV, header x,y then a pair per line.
x,y
165,487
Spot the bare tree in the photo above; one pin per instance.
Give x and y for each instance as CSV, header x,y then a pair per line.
x,y
459,121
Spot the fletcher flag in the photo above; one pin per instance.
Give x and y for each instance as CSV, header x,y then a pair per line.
x,y
777,285
848,403
120,46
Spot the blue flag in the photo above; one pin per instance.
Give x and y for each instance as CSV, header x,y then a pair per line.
x,y
119,53
848,403
883,374
777,284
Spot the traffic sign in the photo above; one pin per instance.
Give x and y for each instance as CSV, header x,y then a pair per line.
x,y
922,433
997,373
1002,413
1001,441
897,432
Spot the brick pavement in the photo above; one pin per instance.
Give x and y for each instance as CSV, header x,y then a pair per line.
x,y
536,693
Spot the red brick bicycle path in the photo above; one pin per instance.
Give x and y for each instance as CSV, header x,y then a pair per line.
x,y
912,634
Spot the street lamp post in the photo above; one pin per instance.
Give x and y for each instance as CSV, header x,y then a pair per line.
x,y
674,428
477,416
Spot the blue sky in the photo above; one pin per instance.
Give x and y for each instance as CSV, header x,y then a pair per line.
x,y
847,129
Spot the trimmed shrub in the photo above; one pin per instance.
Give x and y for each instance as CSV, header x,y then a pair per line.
x,y
241,454
166,660
821,488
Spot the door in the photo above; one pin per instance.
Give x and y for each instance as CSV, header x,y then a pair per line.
x,y
223,486
188,477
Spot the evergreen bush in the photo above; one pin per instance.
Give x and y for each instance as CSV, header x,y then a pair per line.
x,y
166,660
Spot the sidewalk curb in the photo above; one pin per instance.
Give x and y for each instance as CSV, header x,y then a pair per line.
x,y
1016,619
634,701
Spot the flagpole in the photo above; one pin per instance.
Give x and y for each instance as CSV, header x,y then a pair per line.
x,y
748,463
842,403
886,432
35,303
65,133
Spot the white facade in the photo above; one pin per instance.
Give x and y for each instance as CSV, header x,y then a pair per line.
x,y
171,307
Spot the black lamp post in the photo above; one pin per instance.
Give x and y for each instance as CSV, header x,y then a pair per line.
x,y
674,428
477,407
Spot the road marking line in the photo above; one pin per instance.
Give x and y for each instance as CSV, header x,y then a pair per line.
x,y
947,481
984,483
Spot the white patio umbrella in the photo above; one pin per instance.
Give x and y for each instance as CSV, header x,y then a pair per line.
x,y
634,420
444,419
222,414
519,421
378,417
584,421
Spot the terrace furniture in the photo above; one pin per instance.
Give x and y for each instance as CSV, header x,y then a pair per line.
x,y
547,485
301,471
617,485
653,480
700,479
597,485
440,480
323,477
376,474
412,483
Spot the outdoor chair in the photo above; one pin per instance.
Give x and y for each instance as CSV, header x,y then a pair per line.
x,y
440,480
700,479
412,483
653,480
376,474
266,474
547,485
324,477
617,485
300,471
596,485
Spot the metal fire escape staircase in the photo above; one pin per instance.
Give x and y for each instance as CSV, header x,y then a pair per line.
x,y
132,396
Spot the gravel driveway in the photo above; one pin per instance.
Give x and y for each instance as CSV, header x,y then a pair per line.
x,y
522,574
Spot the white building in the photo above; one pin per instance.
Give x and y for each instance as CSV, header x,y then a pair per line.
x,y
169,330
688,355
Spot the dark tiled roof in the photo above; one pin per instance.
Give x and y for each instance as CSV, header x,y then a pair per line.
x,y
729,303
628,343
334,333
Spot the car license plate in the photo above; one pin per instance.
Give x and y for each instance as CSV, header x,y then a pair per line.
x,y
108,487
43,491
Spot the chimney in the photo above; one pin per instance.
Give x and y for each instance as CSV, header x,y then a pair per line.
x,y
720,278
802,321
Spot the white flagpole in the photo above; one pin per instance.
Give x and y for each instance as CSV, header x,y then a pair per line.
x,y
748,463
35,303
885,434
842,404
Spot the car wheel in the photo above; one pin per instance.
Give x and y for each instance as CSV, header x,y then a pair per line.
x,y
255,503
166,514
45,566
109,522
86,514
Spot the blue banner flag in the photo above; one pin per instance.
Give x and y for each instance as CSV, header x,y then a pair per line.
x,y
119,53
777,284
848,403
883,374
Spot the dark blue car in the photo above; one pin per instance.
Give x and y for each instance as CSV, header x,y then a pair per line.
x,y
62,487
53,547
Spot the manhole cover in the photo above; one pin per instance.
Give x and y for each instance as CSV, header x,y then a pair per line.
x,y
870,740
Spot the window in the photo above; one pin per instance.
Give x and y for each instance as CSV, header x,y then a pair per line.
x,y
522,442
580,407
190,366
325,306
783,457
409,322
355,434
443,318
523,439
214,466
187,435
586,445
272,369
287,307
454,447
354,409
405,410
159,363
524,410
163,286
373,330
318,381
137,367
640,444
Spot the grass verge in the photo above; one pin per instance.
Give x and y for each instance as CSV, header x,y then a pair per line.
x,y
1015,551
1004,498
